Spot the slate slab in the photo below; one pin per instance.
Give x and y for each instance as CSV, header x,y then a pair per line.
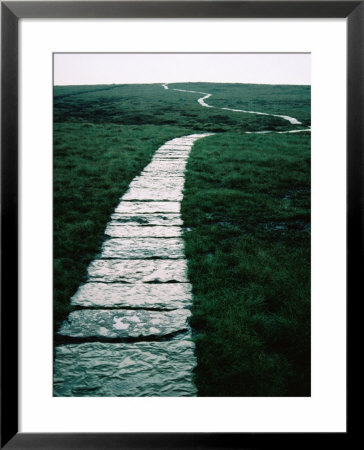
x,y
145,219
152,369
124,323
148,207
141,295
158,182
119,230
175,146
154,194
138,271
143,248
176,167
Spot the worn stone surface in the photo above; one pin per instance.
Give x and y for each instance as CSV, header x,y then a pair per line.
x,y
117,230
170,156
155,188
148,207
141,295
176,151
166,166
138,271
143,248
181,141
123,323
158,182
156,194
146,219
141,369
174,146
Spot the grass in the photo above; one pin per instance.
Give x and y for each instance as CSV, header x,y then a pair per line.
x,y
246,210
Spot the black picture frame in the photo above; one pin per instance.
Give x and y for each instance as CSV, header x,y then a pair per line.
x,y
11,12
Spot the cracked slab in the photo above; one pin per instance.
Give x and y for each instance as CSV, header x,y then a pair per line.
x,y
143,248
142,295
158,182
142,219
175,151
133,231
175,146
183,140
148,207
124,323
138,271
140,369
154,194
166,166
170,156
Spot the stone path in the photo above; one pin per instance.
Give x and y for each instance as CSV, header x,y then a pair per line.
x,y
129,334
206,95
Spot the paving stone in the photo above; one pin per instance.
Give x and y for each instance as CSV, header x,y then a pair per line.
x,y
123,323
142,248
168,151
141,295
157,194
177,142
138,271
147,207
166,182
199,136
166,166
158,369
155,171
176,147
146,219
181,141
117,230
189,138
168,156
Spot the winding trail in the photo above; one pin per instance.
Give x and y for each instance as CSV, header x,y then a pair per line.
x,y
206,95
129,335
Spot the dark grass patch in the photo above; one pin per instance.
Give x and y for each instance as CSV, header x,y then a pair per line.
x,y
247,203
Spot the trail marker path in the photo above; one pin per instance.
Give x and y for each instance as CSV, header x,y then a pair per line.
x,y
129,335
206,95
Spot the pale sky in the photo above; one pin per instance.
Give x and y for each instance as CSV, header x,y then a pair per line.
x,y
124,68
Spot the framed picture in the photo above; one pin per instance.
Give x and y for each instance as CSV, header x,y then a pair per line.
x,y
105,228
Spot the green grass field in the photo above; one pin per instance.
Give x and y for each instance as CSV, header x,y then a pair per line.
x,y
246,211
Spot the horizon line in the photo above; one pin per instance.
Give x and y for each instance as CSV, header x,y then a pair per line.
x,y
184,82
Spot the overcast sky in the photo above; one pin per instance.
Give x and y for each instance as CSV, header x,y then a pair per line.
x,y
123,68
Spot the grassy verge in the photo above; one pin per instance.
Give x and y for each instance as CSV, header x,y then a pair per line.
x,y
247,211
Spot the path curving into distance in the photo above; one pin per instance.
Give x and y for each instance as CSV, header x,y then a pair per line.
x,y
206,95
130,335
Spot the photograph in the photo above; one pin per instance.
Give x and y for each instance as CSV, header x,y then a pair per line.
x,y
181,224
181,200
